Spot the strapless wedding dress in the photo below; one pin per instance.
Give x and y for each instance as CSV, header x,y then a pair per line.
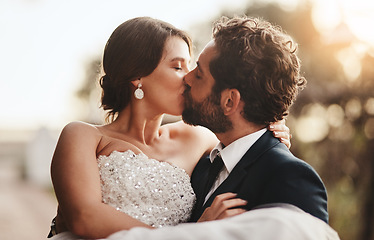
x,y
156,193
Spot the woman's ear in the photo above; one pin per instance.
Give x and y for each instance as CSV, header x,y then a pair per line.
x,y
230,99
136,82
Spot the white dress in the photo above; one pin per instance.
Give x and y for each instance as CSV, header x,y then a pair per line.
x,y
154,192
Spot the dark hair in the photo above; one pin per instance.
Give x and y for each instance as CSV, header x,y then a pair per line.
x,y
260,61
134,50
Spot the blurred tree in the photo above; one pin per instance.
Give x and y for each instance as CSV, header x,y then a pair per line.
x,y
89,83
89,93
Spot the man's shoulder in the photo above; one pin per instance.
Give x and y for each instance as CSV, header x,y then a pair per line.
x,y
279,161
280,152
277,155
283,156
267,146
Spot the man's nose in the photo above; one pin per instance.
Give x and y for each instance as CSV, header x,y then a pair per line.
x,y
186,79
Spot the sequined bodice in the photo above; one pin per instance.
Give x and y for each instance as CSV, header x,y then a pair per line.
x,y
156,193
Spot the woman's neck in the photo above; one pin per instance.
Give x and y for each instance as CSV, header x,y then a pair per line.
x,y
139,125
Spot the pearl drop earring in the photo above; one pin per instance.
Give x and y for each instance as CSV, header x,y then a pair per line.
x,y
139,94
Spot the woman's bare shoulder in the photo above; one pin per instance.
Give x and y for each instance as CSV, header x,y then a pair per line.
x,y
80,130
196,134
81,127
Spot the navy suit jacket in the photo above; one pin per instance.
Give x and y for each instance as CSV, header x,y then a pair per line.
x,y
267,173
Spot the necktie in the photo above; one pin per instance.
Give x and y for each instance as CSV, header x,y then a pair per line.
x,y
214,169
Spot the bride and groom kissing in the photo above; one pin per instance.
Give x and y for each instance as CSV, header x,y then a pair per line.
x,y
137,172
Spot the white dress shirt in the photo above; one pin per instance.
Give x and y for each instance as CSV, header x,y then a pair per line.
x,y
231,155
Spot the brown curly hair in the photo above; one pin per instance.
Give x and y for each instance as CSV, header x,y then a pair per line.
x,y
133,51
259,60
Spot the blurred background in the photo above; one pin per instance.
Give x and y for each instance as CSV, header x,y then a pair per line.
x,y
50,60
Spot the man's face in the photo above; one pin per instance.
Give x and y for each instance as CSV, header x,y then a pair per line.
x,y
202,104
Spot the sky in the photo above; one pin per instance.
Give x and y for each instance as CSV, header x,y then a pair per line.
x,y
45,44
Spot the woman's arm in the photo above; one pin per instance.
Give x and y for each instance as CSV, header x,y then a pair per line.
x,y
76,181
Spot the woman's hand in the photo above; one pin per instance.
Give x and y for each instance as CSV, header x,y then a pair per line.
x,y
222,207
281,131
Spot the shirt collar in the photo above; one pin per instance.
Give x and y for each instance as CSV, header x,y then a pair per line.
x,y
232,153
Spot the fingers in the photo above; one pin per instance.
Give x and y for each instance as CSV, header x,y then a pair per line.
x,y
287,142
279,126
231,213
285,135
226,201
281,131
224,205
227,204
224,196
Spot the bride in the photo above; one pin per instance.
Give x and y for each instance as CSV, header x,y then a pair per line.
x,y
133,171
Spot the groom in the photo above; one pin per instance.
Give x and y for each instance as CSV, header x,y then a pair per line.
x,y
247,77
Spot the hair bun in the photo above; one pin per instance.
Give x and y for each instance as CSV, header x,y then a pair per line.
x,y
108,100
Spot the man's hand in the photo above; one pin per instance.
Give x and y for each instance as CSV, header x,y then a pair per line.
x,y
223,207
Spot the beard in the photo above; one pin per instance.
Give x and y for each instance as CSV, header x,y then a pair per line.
x,y
208,113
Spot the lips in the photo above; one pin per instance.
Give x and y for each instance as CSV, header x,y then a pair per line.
x,y
187,96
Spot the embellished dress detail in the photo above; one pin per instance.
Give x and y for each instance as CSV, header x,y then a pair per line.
x,y
156,193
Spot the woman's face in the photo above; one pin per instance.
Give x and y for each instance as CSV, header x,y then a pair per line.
x,y
163,88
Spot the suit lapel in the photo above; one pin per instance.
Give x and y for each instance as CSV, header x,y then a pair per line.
x,y
198,179
200,197
264,143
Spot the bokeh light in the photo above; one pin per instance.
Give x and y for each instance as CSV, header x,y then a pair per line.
x,y
312,126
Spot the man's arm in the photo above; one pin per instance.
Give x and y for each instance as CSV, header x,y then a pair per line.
x,y
297,183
